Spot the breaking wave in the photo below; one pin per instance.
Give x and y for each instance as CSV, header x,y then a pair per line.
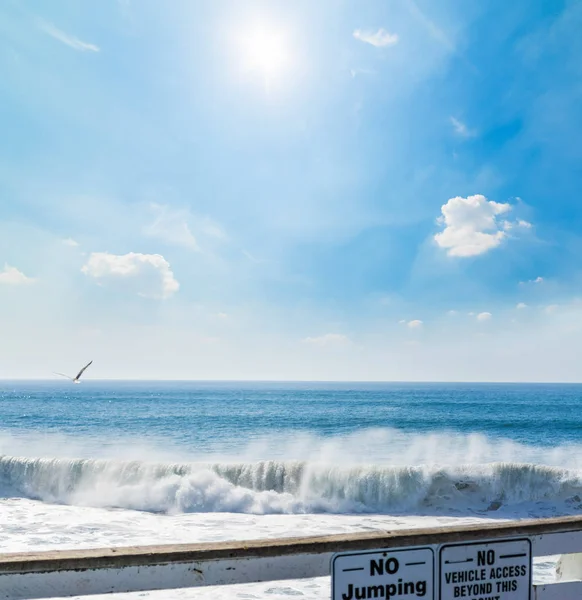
x,y
284,487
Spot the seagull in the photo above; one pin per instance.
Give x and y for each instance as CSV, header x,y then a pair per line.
x,y
78,376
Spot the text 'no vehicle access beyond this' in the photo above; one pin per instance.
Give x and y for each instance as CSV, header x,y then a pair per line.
x,y
486,571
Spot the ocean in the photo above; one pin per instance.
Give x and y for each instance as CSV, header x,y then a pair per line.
x,y
129,463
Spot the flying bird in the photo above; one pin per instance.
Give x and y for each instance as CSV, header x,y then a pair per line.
x,y
77,376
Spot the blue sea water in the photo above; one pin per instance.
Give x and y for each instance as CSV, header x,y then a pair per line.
x,y
204,416
291,447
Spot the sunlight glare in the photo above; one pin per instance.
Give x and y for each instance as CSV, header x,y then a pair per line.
x,y
265,50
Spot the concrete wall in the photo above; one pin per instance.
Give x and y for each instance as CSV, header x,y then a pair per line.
x,y
97,571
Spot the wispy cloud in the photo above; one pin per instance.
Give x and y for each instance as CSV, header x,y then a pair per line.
x,y
181,228
171,226
357,71
484,316
67,39
461,128
380,38
537,280
70,242
435,32
415,324
328,340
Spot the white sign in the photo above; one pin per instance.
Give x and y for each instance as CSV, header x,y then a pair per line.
x,y
486,571
388,574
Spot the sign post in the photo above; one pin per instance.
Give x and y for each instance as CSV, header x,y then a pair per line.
x,y
498,570
386,574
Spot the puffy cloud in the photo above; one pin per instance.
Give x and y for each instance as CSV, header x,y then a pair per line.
x,y
328,340
484,316
12,276
415,324
148,274
521,305
472,225
380,38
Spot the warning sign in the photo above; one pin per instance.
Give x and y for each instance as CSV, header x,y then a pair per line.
x,y
389,574
486,571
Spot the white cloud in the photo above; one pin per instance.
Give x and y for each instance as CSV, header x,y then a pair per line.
x,y
507,225
484,316
461,129
537,280
380,38
12,276
472,225
149,274
452,313
70,242
328,340
67,39
222,315
521,305
415,324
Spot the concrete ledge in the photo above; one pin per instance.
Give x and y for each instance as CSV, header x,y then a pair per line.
x,y
143,556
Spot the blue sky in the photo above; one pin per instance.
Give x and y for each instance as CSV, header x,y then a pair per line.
x,y
218,189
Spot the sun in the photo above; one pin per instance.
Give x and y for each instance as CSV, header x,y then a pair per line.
x,y
265,50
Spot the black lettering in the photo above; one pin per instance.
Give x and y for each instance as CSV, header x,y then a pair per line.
x,y
376,590
409,587
391,565
485,557
361,593
420,588
350,593
376,567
